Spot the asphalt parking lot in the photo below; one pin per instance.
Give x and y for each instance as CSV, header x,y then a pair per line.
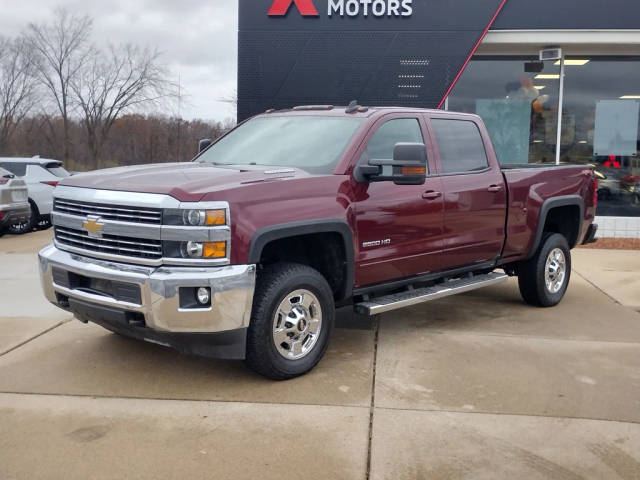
x,y
476,386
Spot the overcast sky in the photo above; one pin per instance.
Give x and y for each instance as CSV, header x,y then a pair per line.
x,y
197,38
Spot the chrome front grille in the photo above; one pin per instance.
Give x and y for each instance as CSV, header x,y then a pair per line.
x,y
128,227
152,216
109,244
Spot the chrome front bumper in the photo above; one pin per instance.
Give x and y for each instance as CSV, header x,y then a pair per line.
x,y
231,291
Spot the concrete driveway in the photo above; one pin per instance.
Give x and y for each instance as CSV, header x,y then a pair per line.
x,y
476,386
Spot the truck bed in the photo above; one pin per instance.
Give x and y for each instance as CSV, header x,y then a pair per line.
x,y
529,185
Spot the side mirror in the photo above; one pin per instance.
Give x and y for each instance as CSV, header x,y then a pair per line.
x,y
408,167
203,144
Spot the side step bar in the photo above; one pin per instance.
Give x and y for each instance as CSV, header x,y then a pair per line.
x,y
426,294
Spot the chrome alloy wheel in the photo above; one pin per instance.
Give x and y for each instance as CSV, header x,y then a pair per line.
x,y
297,324
555,270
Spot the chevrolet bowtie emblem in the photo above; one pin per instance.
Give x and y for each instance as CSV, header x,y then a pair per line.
x,y
93,226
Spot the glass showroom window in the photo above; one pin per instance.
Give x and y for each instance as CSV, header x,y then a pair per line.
x,y
519,107
601,117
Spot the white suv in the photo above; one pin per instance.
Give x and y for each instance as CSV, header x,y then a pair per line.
x,y
41,176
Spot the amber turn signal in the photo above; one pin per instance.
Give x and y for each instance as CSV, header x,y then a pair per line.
x,y
414,171
214,250
216,217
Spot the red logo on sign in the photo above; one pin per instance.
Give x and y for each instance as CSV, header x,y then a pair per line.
x,y
281,7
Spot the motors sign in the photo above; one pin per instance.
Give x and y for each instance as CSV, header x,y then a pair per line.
x,y
342,8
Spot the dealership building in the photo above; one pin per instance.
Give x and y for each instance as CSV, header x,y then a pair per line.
x,y
553,80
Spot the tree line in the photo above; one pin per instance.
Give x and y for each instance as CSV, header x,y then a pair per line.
x,y
62,97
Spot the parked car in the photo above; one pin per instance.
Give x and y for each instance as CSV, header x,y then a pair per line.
x,y
41,176
245,252
630,185
609,187
14,207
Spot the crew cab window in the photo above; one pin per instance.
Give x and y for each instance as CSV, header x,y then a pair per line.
x,y
380,146
18,169
460,145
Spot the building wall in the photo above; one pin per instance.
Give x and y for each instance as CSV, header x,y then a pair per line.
x,y
413,61
569,15
294,60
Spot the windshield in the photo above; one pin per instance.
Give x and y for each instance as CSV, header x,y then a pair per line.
x,y
314,144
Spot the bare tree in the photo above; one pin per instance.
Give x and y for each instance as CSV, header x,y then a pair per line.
x,y
63,48
17,86
122,79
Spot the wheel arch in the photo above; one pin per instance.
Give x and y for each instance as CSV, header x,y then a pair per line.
x,y
559,204
265,236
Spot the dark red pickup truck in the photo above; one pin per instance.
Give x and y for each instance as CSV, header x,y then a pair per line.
x,y
246,251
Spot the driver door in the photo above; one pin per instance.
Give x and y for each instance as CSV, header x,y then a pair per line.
x,y
399,228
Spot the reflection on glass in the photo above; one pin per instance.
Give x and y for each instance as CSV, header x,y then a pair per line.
x,y
600,118
601,96
520,108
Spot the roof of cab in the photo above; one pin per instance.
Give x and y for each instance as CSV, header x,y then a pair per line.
x,y
363,112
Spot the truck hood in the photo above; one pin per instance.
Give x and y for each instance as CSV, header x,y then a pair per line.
x,y
187,181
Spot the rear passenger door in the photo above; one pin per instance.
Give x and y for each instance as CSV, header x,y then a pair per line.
x,y
475,196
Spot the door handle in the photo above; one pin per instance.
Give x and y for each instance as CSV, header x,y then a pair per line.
x,y
431,195
495,188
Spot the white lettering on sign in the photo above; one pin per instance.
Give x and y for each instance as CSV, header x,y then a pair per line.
x,y
377,8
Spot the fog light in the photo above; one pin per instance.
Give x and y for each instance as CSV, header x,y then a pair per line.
x,y
203,296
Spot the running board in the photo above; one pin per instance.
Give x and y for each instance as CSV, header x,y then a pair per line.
x,y
407,298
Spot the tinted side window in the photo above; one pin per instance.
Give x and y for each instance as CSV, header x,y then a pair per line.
x,y
18,169
381,145
460,144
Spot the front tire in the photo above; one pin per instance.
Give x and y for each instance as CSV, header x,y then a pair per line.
x,y
291,321
544,278
44,222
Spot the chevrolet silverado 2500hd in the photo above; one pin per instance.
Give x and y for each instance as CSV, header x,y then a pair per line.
x,y
245,252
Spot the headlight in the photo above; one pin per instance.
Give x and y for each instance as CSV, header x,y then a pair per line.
x,y
203,250
199,235
195,217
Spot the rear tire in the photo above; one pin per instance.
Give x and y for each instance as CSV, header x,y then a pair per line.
x,y
544,278
291,321
29,225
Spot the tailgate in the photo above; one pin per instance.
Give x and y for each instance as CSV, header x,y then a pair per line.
x,y
15,191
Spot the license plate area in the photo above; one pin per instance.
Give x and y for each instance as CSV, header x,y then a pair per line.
x,y
18,196
121,291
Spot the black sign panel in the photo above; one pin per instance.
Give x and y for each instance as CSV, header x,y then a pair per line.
x,y
380,52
